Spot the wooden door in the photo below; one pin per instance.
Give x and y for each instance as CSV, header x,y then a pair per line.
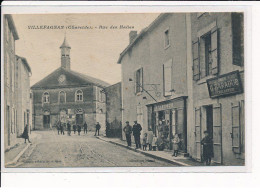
x,y
197,133
217,133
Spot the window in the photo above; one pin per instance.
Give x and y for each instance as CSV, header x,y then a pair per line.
x,y
139,80
46,97
237,38
205,54
167,78
79,95
62,96
166,38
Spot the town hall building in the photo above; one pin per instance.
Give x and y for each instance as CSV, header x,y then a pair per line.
x,y
68,96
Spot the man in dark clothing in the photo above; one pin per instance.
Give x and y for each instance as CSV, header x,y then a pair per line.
x,y
137,132
69,128
97,128
74,128
128,131
79,129
85,127
25,134
62,128
207,144
58,127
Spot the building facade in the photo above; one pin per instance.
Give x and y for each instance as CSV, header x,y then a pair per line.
x,y
154,78
218,85
10,106
68,96
114,110
23,94
185,73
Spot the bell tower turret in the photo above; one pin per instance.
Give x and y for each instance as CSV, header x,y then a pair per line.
x,y
65,54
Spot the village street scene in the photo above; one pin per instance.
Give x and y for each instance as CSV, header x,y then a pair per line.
x,y
124,90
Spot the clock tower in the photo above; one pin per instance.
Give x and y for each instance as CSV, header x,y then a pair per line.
x,y
65,54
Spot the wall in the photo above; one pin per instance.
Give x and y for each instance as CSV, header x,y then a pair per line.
x,y
9,72
54,106
114,108
149,52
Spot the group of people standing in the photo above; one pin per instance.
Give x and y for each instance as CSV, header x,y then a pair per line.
x,y
153,143
61,127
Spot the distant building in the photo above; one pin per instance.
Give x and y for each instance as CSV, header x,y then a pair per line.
x,y
68,96
23,94
10,106
114,110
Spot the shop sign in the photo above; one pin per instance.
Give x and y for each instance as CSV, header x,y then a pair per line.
x,y
164,107
228,84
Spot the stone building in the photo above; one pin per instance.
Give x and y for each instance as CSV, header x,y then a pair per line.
x,y
68,96
218,85
23,95
154,77
114,110
10,107
185,72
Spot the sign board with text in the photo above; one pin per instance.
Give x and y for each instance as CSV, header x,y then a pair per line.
x,y
224,85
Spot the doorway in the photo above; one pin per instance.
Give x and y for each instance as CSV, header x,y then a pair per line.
x,y
209,120
79,119
46,121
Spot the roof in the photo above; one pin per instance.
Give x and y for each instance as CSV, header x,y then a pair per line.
x,y
24,60
73,79
65,43
141,34
12,25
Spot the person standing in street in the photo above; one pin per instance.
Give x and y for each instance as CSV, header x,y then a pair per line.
x,y
207,144
128,132
85,126
25,134
69,128
176,141
58,127
79,129
150,138
74,128
97,128
61,129
137,128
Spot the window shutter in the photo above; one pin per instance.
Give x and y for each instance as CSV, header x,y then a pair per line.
x,y
197,133
214,50
141,79
236,132
217,133
202,58
135,80
196,61
237,38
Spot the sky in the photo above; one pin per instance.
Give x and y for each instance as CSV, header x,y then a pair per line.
x,y
94,52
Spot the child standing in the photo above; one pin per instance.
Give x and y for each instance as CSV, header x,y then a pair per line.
x,y
154,143
176,141
145,141
150,138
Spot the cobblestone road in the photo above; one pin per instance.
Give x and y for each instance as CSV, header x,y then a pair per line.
x,y
53,150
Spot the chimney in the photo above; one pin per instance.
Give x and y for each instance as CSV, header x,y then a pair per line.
x,y
132,35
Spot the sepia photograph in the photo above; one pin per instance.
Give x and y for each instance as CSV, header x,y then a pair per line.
x,y
123,90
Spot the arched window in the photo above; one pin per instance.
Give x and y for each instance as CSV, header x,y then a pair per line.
x,y
46,97
62,97
79,95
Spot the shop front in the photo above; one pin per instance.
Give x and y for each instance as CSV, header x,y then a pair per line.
x,y
168,118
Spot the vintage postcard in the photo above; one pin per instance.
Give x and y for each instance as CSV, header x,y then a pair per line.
x,y
158,89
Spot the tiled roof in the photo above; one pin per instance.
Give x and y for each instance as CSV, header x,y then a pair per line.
x,y
73,79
